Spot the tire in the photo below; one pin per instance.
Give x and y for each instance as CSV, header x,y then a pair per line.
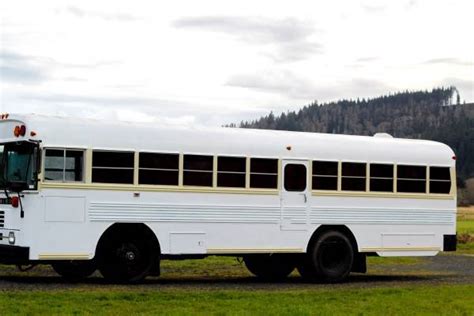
x,y
127,259
75,270
274,267
329,260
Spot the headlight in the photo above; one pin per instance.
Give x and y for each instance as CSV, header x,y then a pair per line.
x,y
11,238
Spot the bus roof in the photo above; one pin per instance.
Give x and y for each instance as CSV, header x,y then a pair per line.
x,y
56,131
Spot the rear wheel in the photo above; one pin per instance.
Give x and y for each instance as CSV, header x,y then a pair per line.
x,y
125,258
330,258
75,270
270,267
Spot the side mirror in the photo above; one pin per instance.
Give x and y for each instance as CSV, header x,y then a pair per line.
x,y
17,186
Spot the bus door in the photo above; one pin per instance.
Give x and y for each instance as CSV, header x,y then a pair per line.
x,y
294,195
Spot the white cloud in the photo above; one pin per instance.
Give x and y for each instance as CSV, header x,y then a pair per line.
x,y
78,12
290,38
296,87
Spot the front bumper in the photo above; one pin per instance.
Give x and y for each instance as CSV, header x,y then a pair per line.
x,y
14,254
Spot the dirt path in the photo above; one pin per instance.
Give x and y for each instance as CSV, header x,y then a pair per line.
x,y
442,269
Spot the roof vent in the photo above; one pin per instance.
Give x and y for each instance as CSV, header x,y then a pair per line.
x,y
383,135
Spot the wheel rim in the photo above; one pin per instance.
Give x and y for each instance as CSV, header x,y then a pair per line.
x,y
127,261
334,255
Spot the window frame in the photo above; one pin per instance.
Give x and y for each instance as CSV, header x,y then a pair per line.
x,y
398,165
178,170
244,173
429,179
365,176
393,178
277,174
211,171
337,176
64,150
133,168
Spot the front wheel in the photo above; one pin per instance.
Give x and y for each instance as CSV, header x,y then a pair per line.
x,y
329,260
127,260
75,270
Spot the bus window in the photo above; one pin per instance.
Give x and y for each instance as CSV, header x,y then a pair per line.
x,y
264,173
63,165
231,172
381,177
198,170
440,180
112,167
353,176
411,179
159,169
295,178
325,175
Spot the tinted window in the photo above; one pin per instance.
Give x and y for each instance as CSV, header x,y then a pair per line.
x,y
160,169
231,172
325,175
63,165
381,177
440,180
411,179
263,173
198,170
353,176
54,165
112,167
295,177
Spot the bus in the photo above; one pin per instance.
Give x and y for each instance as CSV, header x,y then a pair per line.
x,y
119,197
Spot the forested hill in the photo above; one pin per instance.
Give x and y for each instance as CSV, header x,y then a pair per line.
x,y
420,114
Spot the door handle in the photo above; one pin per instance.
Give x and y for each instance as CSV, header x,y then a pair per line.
x,y
305,197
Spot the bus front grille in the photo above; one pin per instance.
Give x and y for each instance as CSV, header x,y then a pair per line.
x,y
2,218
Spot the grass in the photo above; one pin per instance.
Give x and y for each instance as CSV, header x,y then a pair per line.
x,y
465,227
439,300
466,213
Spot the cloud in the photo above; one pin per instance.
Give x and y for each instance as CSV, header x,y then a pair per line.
x,y
291,38
15,68
280,82
80,13
301,88
373,7
28,69
449,61
367,59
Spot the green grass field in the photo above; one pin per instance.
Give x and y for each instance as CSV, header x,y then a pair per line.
x,y
465,227
439,300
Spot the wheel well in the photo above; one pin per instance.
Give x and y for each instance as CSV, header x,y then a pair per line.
x,y
340,228
130,229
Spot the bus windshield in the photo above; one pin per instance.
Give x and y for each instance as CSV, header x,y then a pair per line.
x,y
18,164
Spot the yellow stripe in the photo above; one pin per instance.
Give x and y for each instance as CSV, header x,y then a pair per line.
x,y
252,250
63,256
385,195
399,249
145,188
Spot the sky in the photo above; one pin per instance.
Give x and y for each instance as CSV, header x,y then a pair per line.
x,y
217,62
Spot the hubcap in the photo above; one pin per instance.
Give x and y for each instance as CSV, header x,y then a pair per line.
x,y
130,255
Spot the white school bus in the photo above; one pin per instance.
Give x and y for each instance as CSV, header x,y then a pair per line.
x,y
83,195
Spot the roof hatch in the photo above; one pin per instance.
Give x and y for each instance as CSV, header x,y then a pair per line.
x,y
383,135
